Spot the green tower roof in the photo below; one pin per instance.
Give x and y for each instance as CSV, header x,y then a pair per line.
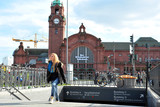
x,y
56,2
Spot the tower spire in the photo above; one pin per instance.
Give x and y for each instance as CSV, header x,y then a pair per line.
x,y
55,2
82,28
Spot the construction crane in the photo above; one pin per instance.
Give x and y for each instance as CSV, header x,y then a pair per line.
x,y
35,40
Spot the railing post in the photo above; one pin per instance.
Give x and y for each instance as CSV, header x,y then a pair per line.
x,y
15,78
32,73
28,76
1,81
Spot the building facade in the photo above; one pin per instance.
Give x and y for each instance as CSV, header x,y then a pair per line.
x,y
30,57
86,52
56,27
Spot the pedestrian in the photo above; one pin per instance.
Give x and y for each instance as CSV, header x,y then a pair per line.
x,y
109,77
96,78
55,74
138,78
141,78
2,66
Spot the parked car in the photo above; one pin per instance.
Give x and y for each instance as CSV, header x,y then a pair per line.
x,y
75,78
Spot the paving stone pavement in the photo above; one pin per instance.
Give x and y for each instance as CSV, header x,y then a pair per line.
x,y
39,98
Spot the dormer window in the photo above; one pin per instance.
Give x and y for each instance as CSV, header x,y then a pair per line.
x,y
57,11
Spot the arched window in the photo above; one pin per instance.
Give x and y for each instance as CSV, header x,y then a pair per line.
x,y
56,31
82,54
57,11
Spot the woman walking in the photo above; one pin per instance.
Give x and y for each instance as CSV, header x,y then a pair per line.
x,y
55,74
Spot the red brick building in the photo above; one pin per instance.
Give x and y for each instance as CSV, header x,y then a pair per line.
x,y
30,57
86,52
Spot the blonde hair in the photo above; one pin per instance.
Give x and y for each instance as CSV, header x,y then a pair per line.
x,y
56,59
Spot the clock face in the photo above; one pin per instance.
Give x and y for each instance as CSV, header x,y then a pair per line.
x,y
56,21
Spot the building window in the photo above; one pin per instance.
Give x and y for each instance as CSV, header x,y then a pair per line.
x,y
145,59
56,31
89,65
111,55
75,65
140,59
57,11
81,65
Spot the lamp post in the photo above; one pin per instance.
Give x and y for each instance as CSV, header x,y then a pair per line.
x,y
147,67
67,43
108,64
114,57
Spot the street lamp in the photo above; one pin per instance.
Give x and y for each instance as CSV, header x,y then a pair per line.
x,y
114,56
147,67
67,44
108,64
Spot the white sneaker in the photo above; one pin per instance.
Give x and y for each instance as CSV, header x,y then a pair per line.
x,y
51,101
58,101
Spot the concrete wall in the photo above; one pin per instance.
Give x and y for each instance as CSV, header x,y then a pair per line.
x,y
153,99
155,79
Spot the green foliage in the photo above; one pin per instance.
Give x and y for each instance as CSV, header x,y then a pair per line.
x,y
63,84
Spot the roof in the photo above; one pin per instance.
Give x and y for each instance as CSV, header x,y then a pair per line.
x,y
142,41
37,52
15,51
117,45
56,2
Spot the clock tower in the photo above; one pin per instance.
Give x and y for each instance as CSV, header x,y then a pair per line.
x,y
56,27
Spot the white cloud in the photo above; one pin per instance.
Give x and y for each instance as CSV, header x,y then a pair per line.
x,y
26,14
118,27
132,15
21,33
110,23
6,42
140,28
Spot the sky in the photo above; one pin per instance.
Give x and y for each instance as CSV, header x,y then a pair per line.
x,y
110,20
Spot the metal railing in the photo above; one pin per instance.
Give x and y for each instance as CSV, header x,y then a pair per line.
x,y
22,77
106,80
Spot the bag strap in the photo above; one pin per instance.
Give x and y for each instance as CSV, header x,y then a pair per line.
x,y
55,66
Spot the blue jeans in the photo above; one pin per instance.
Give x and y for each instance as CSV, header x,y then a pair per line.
x,y
54,91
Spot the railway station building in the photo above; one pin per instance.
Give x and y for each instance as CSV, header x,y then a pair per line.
x,y
86,52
